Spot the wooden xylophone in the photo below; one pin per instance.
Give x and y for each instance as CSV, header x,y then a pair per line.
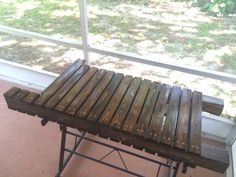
x,y
148,115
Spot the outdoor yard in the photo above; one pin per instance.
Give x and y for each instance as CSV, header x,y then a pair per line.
x,y
170,31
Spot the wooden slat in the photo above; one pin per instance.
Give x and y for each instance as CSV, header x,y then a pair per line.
x,y
183,120
88,105
210,158
136,107
196,123
115,101
11,92
216,153
65,102
31,97
125,104
156,122
55,85
60,93
21,94
155,130
168,133
80,98
212,105
105,98
147,111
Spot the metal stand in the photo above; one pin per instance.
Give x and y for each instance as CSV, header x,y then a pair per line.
x,y
171,167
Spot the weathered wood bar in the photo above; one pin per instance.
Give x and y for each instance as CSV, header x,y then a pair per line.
x,y
157,117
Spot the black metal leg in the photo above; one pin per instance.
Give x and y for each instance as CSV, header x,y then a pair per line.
x,y
158,171
176,169
184,168
63,143
169,172
62,162
172,172
62,150
79,137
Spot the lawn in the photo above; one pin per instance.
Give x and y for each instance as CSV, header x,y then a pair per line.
x,y
174,31
170,31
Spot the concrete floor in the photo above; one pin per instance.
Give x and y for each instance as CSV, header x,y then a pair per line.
x,y
28,149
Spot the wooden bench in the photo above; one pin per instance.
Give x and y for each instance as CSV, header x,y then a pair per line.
x,y
157,117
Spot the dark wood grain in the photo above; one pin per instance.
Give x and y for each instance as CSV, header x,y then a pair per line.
x,y
169,128
183,120
115,101
21,94
212,105
105,98
147,111
155,130
125,104
93,97
60,93
196,123
83,95
136,107
58,82
210,157
11,92
31,97
145,114
68,98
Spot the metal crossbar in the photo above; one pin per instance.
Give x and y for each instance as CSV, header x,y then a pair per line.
x,y
171,166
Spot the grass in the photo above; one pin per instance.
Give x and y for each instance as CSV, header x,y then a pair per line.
x,y
41,16
171,31
130,23
176,31
229,61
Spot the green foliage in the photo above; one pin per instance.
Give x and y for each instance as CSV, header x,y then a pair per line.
x,y
229,61
234,118
220,7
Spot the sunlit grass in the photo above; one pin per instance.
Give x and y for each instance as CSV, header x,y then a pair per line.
x,y
126,24
141,27
230,61
47,17
169,31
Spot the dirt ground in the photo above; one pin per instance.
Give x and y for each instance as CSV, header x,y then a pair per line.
x,y
167,31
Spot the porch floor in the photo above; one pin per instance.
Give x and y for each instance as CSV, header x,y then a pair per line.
x,y
28,149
